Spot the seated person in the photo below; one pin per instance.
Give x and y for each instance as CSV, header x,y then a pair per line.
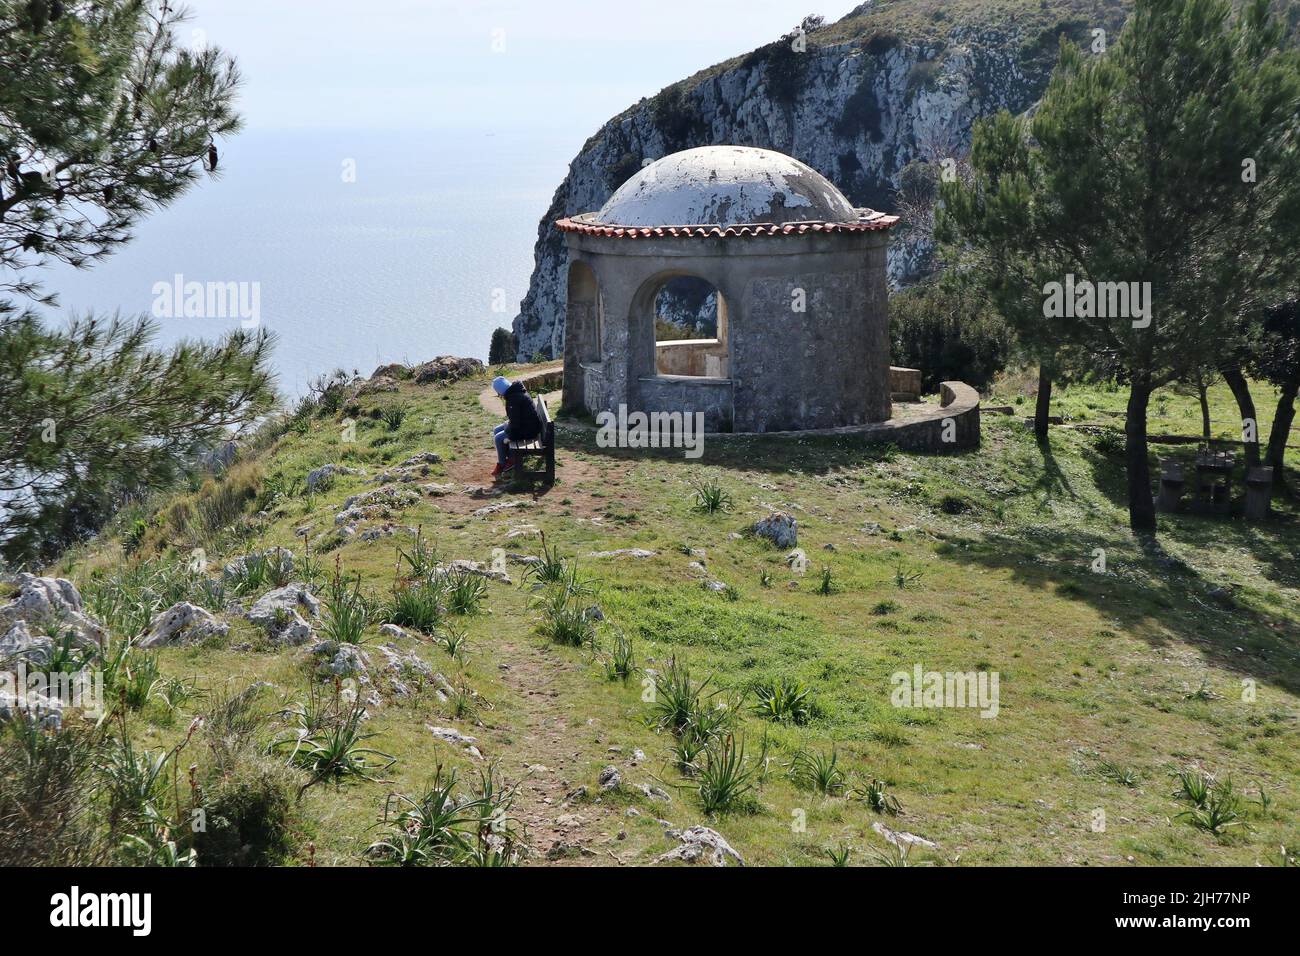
x,y
522,423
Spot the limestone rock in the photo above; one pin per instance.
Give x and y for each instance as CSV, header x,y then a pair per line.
x,y
414,468
466,566
779,528
701,844
182,623
341,660
18,644
387,531
52,606
319,477
446,369
280,613
610,779
496,508
380,383
453,736
378,504
395,370
903,839
623,552
46,709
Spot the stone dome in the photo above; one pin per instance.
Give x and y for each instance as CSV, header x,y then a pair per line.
x,y
726,186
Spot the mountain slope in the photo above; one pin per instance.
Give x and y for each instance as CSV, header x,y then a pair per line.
x,y
888,84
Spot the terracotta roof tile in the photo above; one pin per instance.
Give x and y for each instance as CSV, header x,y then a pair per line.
x,y
871,221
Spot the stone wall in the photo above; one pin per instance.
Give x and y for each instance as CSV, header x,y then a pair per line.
x,y
691,357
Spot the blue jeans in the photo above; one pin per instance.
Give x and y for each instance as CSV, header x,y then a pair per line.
x,y
499,439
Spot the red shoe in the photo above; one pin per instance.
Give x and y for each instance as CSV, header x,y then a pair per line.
x,y
496,472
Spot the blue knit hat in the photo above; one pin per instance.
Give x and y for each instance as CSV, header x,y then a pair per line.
x,y
500,384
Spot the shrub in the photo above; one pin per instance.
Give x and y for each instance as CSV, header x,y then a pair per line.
x,y
46,795
1109,442
677,118
446,826
954,504
222,501
422,559
127,599
258,572
330,746
250,816
550,567
465,592
678,700
947,335
564,620
862,114
504,345
874,795
620,662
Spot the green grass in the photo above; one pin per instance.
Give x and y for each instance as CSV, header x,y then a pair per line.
x,y
1139,670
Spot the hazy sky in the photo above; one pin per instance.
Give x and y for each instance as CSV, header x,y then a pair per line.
x,y
399,64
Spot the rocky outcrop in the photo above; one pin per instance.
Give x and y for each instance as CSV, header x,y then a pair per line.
x,y
52,607
779,528
446,369
18,644
281,614
701,844
182,623
380,504
319,478
886,86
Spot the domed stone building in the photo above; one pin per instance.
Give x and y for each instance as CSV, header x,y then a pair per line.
x,y
800,338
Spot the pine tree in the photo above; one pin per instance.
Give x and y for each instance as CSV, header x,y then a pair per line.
x,y
1171,160
103,117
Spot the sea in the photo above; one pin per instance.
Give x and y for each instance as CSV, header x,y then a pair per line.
x,y
354,248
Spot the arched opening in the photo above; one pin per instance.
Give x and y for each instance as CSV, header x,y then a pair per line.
x,y
690,324
583,335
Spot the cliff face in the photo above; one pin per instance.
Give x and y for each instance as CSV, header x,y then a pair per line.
x,y
858,104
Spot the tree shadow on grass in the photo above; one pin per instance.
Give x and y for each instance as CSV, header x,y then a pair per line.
x,y
1053,481
1149,593
812,455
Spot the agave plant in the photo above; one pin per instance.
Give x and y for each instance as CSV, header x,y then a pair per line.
x,y
726,778
874,795
783,700
817,770
334,749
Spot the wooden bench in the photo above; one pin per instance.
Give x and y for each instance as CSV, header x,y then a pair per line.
x,y
543,447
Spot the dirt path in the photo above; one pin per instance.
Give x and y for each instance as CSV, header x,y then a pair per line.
x,y
554,750
492,403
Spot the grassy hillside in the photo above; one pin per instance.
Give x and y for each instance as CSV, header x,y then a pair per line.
x,y
981,562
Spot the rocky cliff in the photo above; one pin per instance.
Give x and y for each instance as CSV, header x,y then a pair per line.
x,y
858,100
